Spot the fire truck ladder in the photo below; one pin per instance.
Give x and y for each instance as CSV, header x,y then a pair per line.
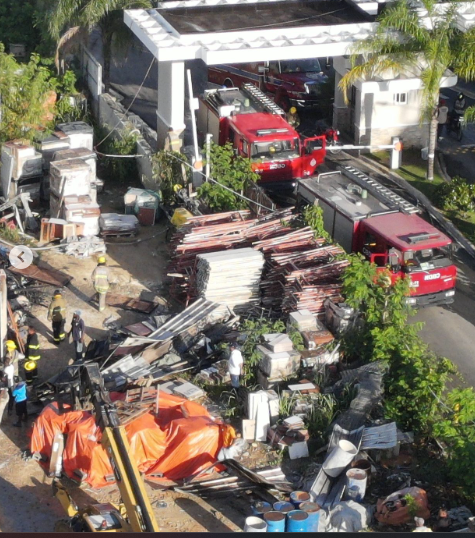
x,y
378,190
260,97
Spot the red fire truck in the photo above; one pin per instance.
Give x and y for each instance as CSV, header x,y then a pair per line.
x,y
257,129
364,216
290,82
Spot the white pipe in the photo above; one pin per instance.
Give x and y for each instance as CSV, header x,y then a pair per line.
x,y
193,118
208,156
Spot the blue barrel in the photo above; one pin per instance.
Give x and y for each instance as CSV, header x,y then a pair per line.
x,y
313,511
297,521
299,497
275,521
282,506
260,508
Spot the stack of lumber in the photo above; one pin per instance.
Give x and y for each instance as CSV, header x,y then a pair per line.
x,y
215,233
297,278
231,277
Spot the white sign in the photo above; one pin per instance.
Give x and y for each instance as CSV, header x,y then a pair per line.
x,y
20,257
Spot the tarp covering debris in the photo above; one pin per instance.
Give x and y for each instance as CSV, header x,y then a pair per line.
x,y
182,441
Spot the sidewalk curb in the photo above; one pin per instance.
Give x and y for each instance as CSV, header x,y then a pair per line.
x,y
451,230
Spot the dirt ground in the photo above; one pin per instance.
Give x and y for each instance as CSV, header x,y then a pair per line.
x,y
139,270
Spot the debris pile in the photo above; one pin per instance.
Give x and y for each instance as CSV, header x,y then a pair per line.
x,y
178,442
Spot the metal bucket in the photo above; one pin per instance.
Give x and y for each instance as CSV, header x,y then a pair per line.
x,y
283,506
357,477
261,508
275,521
255,524
313,511
297,521
339,458
299,497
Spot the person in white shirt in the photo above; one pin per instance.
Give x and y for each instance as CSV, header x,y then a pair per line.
x,y
9,372
235,365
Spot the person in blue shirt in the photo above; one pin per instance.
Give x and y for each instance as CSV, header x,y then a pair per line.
x,y
20,396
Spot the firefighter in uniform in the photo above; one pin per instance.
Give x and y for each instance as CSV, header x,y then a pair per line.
x,y
293,118
100,280
32,354
13,354
57,315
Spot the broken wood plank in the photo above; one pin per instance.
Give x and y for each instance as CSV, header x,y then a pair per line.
x,y
43,274
129,303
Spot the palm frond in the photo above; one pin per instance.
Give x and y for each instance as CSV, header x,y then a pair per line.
x,y
74,35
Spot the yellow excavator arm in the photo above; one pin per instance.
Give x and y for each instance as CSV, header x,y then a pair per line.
x,y
135,513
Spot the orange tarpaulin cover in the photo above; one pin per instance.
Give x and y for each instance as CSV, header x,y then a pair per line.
x,y
182,441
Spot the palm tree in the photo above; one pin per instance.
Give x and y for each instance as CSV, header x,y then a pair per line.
x,y
418,39
74,19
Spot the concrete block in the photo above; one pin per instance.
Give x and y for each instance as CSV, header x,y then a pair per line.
x,y
273,399
262,421
248,429
280,344
298,450
302,320
275,364
189,391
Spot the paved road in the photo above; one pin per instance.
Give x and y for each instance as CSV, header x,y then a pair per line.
x,y
450,330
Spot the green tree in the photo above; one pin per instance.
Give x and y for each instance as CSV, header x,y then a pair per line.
x,y
456,429
416,377
72,20
28,97
418,40
232,172
17,24
24,89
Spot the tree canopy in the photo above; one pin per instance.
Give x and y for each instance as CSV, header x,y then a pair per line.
x,y
418,40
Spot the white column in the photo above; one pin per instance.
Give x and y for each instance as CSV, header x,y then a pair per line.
x,y
171,103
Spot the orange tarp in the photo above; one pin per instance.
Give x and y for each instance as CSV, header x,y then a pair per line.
x,y
182,441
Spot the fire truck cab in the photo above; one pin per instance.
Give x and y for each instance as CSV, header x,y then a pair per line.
x,y
364,216
257,129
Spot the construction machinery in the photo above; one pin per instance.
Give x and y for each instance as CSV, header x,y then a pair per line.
x,y
86,392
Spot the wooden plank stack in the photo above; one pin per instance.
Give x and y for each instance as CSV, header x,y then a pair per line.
x,y
300,273
231,277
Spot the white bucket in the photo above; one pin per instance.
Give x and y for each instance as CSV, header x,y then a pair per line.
x,y
255,524
339,458
357,478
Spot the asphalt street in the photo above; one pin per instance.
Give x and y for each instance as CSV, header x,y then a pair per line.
x,y
449,330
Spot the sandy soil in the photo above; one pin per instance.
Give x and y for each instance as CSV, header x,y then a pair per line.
x,y
26,500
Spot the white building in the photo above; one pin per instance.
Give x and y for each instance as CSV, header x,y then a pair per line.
x,y
382,108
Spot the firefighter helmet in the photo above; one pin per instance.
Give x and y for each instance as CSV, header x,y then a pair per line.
x,y
30,365
293,110
10,344
101,259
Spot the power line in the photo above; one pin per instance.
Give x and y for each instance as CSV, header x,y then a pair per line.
x,y
217,183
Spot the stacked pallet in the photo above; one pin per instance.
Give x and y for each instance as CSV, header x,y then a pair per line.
x,y
231,277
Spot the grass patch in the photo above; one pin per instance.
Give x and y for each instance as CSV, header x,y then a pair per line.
x,y
413,170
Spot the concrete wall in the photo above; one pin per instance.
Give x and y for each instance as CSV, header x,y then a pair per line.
x,y
375,116
112,113
92,72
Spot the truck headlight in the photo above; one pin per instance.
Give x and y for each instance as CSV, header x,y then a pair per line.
x,y
450,293
411,300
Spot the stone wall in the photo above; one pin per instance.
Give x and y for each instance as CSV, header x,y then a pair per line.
x,y
413,136
112,113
